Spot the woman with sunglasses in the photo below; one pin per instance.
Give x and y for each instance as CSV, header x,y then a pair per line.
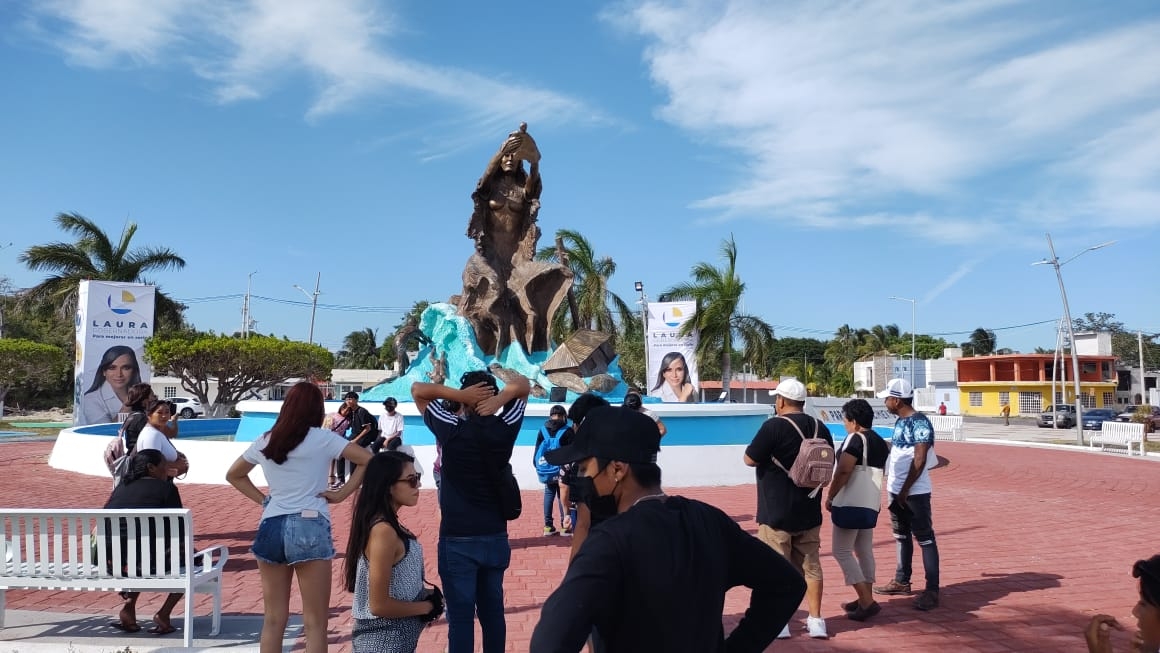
x,y
384,561
1146,612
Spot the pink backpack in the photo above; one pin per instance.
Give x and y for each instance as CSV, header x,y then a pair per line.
x,y
814,466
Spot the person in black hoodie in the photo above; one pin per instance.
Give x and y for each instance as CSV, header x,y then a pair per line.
x,y
654,576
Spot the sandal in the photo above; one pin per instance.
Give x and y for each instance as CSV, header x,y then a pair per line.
x,y
124,627
161,626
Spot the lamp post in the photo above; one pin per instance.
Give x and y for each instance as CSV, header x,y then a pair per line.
x,y
1054,262
639,287
314,302
912,346
246,306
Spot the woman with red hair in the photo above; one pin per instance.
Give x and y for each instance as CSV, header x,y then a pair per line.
x,y
294,537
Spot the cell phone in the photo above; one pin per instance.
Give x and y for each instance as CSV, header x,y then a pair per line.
x,y
899,509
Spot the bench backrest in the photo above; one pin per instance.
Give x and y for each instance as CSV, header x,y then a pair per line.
x,y
88,544
1123,429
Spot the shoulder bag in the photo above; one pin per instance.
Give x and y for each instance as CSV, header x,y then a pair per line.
x,y
857,504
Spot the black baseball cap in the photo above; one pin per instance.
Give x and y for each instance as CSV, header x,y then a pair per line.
x,y
613,433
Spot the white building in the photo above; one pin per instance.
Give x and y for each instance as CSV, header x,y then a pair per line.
x,y
935,381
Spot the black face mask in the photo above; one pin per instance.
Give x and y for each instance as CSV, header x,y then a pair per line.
x,y
601,506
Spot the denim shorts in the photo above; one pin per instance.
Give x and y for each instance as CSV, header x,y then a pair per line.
x,y
290,539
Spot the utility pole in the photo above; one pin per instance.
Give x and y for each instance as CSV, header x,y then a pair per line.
x,y
247,322
314,302
639,287
1139,343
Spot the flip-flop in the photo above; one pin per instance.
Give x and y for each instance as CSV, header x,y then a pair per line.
x,y
162,630
125,627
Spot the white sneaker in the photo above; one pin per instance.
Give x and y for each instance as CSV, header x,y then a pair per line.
x,y
784,634
817,627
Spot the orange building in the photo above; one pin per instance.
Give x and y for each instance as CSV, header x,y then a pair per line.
x,y
1024,382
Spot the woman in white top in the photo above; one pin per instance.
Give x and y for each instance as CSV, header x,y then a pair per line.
x,y
294,536
154,436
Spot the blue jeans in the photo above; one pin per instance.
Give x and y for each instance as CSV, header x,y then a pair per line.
x,y
471,569
552,496
290,539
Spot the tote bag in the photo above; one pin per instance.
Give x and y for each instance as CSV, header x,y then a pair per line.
x,y
857,504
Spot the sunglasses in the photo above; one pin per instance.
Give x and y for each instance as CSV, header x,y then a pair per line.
x,y
413,481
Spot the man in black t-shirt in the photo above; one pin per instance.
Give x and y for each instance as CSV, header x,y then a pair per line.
x,y
788,518
473,549
653,577
364,429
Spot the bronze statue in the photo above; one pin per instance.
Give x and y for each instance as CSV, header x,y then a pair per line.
x,y
507,295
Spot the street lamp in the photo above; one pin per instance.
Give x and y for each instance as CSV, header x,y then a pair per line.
x,y
1054,262
912,303
639,287
314,302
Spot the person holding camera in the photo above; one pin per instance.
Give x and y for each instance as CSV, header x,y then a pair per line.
x,y
364,430
384,561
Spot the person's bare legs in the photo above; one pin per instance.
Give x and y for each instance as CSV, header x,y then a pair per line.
x,y
814,596
128,614
314,585
275,604
161,621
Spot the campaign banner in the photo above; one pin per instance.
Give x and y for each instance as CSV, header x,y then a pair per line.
x,y
671,360
113,321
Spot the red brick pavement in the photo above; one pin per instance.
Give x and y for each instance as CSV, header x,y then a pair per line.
x,y
1033,542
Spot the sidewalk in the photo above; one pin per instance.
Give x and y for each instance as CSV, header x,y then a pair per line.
x,y
1033,542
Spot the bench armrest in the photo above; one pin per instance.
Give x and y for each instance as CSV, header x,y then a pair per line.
x,y
210,561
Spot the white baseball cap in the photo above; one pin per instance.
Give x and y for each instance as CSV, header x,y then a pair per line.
x,y
791,389
899,388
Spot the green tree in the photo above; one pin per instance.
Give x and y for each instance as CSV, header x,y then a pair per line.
x,y
926,347
240,367
28,364
359,350
718,319
630,353
982,342
784,350
389,353
591,304
95,256
879,338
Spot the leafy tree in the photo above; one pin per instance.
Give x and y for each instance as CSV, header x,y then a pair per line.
x,y
359,351
28,364
717,292
240,367
982,342
926,347
784,350
589,298
630,349
1125,344
95,256
388,354
878,338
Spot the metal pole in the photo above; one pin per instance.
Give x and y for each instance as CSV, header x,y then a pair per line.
x,y
314,306
912,346
1140,344
644,327
1056,359
1071,336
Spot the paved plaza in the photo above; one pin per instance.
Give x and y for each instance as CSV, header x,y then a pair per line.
x,y
1033,542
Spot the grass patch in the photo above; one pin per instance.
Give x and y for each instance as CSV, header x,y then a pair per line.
x,y
6,425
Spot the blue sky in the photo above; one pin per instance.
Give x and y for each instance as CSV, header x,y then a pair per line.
x,y
854,150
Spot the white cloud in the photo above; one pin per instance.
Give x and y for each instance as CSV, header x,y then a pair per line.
x,y
839,106
248,49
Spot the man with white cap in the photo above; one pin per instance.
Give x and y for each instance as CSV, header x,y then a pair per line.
x,y
789,517
910,513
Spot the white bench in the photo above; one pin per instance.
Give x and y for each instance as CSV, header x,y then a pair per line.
x,y
55,549
947,427
1121,434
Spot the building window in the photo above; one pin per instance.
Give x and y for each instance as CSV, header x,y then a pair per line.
x,y
169,392
975,398
1004,398
1030,403
1109,398
1088,401
1058,398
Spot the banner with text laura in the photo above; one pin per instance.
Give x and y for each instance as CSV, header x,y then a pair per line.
x,y
672,363
113,321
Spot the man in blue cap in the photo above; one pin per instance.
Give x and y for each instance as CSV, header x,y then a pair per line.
x,y
653,577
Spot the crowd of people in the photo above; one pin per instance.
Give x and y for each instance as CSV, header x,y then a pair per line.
x,y
647,570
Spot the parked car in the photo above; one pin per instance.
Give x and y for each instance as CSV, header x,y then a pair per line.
x,y
187,407
1153,420
1061,416
1093,420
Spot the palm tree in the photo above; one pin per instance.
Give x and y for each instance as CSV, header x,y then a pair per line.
x,y
359,350
589,297
981,342
95,256
718,318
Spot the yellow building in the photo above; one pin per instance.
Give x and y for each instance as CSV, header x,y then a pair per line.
x,y
1024,382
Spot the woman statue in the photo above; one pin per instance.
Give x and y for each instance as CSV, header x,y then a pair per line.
x,y
508,296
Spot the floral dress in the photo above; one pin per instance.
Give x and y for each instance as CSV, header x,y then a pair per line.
x,y
380,634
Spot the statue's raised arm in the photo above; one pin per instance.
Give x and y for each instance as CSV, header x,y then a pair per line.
x,y
506,198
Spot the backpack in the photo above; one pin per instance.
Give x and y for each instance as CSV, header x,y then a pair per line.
x,y
813,467
546,470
